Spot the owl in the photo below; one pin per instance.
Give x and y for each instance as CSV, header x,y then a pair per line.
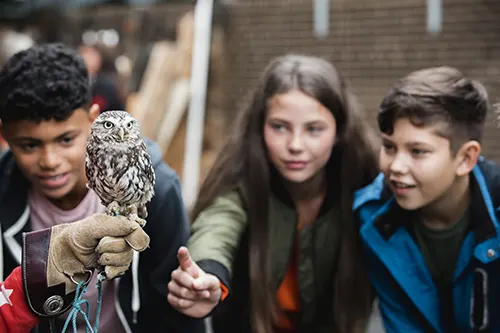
x,y
118,166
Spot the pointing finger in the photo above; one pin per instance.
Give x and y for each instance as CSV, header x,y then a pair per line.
x,y
187,264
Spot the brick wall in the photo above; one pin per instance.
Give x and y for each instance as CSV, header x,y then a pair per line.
x,y
372,42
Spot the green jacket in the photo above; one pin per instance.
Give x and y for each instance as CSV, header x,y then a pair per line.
x,y
219,244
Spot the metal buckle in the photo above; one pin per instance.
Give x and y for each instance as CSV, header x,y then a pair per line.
x,y
89,277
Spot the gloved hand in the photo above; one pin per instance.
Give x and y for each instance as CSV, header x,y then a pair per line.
x,y
56,259
77,248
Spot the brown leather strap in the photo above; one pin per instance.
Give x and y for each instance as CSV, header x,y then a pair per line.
x,y
44,301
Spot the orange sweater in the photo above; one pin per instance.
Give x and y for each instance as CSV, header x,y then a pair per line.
x,y
287,296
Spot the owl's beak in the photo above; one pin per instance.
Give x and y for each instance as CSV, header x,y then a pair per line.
x,y
121,133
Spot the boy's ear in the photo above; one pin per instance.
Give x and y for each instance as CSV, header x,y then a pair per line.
x,y
94,112
467,157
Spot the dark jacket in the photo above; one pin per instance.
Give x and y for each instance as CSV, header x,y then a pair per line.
x,y
408,298
166,225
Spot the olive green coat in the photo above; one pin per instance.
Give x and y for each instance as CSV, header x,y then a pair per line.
x,y
219,244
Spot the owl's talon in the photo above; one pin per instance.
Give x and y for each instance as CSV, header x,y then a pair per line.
x,y
113,209
112,212
136,218
142,212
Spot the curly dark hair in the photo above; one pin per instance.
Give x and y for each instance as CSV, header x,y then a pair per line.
x,y
44,82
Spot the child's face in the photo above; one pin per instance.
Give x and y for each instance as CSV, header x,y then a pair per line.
x,y
418,164
299,133
51,154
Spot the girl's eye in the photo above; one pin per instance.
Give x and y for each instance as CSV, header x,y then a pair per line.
x,y
315,129
278,127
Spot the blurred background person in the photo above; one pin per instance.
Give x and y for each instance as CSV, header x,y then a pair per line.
x,y
11,42
104,89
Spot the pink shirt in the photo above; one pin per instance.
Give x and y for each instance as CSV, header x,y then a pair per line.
x,y
44,214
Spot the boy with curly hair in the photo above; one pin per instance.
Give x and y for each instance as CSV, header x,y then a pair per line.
x,y
46,118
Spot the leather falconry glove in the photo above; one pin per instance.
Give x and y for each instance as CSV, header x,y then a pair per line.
x,y
55,260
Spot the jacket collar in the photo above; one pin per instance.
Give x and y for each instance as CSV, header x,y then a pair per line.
x,y
278,190
485,197
13,187
14,207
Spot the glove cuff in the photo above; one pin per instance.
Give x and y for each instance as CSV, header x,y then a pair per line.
x,y
43,300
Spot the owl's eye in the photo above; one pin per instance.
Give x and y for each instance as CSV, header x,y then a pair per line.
x,y
129,125
108,124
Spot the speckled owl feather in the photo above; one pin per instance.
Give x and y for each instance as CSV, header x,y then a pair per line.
x,y
118,166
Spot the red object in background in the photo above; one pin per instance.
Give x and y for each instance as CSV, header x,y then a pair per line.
x,y
101,101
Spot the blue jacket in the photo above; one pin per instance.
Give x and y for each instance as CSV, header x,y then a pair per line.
x,y
408,298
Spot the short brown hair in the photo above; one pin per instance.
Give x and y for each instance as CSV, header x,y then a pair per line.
x,y
438,95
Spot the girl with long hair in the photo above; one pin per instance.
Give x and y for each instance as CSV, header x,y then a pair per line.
x,y
274,244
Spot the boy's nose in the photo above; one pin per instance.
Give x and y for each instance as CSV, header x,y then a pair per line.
x,y
399,165
49,160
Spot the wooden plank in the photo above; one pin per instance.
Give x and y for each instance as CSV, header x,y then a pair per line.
x,y
174,155
175,111
155,93
185,40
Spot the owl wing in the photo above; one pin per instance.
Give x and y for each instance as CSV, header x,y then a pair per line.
x,y
147,164
138,159
97,163
89,166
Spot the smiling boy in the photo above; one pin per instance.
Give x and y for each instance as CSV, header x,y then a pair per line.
x,y
429,221
46,119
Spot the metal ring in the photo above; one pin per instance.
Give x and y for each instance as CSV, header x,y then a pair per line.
x,y
90,274
53,305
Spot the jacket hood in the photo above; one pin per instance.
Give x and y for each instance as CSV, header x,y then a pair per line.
x,y
154,151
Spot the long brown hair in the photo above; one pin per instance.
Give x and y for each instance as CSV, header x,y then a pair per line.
x,y
352,164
